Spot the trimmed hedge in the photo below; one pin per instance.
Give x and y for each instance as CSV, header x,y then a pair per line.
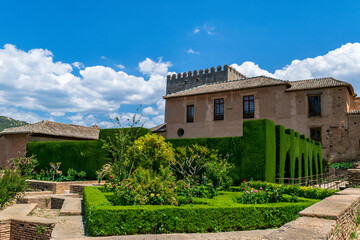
x,y
85,156
221,213
265,152
225,145
306,192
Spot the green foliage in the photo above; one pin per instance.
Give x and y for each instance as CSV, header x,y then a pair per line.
x,y
85,156
259,158
229,147
6,122
222,213
306,192
12,185
145,187
54,174
25,165
342,165
151,152
106,134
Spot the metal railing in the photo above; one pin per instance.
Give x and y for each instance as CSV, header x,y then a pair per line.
x,y
324,180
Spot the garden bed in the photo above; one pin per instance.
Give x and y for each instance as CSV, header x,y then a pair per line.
x,y
222,213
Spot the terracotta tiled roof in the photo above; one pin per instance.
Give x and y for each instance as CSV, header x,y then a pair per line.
x,y
159,128
318,83
263,81
248,83
56,129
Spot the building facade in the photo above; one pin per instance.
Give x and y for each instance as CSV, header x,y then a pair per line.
x,y
215,103
13,141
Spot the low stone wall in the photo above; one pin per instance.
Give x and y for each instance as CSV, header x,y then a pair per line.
x,y
56,187
30,230
353,177
5,227
333,218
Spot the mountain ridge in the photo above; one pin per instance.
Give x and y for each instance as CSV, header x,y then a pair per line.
x,y
7,122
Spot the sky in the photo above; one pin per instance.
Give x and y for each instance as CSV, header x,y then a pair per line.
x,y
86,62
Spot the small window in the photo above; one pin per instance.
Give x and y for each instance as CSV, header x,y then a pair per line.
x,y
315,134
190,113
248,109
219,109
180,132
314,106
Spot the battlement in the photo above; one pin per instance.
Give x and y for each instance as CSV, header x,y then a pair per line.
x,y
186,80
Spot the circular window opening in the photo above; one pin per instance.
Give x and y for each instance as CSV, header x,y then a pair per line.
x,y
180,132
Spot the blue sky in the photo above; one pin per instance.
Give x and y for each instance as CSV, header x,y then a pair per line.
x,y
81,61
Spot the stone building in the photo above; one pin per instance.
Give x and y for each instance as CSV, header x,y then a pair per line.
x,y
215,103
13,140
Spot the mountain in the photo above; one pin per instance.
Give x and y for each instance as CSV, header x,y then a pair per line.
x,y
6,122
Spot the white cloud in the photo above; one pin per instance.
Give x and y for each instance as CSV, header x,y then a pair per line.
x,y
57,114
34,82
149,111
192,51
103,57
78,65
196,30
209,29
342,63
120,66
17,114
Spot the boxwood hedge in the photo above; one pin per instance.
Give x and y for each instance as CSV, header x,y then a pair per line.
x,y
221,213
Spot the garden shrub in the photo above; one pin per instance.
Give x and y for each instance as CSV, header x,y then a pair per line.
x,y
222,213
12,185
300,191
151,151
227,147
342,165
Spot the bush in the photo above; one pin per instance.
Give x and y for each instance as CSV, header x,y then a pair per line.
x,y
151,152
25,165
146,187
342,165
226,146
221,213
306,192
12,185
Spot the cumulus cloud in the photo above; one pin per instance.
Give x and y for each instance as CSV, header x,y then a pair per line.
x,y
120,66
149,111
33,81
192,51
78,65
342,63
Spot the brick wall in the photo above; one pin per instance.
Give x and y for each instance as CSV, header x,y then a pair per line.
x,y
19,230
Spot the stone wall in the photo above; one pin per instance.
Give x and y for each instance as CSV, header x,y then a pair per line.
x,y
18,230
5,227
333,218
30,230
187,80
55,187
339,131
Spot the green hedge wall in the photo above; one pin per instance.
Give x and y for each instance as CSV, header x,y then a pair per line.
x,y
221,213
265,152
225,145
80,155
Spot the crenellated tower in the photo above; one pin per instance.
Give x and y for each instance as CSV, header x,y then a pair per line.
x,y
187,80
